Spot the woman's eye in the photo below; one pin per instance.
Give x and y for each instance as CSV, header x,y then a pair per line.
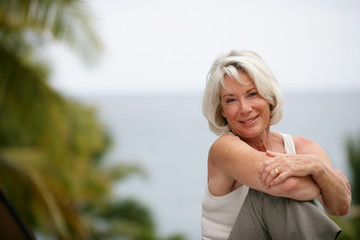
x,y
230,100
252,94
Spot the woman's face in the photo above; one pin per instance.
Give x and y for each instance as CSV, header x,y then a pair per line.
x,y
247,113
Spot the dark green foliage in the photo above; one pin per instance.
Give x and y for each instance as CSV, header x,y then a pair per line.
x,y
52,149
353,151
351,222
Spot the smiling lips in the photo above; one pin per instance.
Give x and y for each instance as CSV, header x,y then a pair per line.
x,y
250,121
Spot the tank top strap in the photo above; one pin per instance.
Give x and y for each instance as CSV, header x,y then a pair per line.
x,y
289,143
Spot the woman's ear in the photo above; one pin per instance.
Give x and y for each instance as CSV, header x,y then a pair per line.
x,y
222,113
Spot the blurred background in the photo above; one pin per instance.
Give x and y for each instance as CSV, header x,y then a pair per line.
x,y
101,130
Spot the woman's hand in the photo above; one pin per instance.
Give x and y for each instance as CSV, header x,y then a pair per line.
x,y
279,167
334,186
343,177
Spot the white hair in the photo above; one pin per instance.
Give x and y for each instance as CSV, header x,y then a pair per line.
x,y
228,65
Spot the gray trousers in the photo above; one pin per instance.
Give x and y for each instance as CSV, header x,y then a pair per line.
x,y
267,217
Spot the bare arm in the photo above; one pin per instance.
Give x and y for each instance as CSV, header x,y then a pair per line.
x,y
342,209
231,159
311,160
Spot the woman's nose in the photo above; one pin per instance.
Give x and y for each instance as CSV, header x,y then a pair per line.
x,y
245,106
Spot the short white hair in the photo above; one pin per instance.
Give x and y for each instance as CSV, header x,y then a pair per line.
x,y
230,64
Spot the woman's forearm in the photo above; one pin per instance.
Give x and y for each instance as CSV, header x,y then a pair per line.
x,y
297,188
335,191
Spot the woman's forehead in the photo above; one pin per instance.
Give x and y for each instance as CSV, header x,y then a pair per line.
x,y
233,87
243,81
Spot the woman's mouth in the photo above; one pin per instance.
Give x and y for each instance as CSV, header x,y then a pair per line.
x,y
250,120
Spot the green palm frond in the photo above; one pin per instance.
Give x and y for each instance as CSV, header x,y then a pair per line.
x,y
52,148
27,100
127,218
30,185
120,172
65,20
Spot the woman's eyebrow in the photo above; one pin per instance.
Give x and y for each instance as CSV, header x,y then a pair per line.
x,y
228,95
251,89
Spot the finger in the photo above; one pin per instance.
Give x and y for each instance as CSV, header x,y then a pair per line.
x,y
268,168
273,174
279,179
341,174
264,174
265,164
273,154
262,168
270,153
348,184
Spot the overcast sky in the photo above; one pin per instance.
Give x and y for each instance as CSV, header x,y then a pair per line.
x,y
169,46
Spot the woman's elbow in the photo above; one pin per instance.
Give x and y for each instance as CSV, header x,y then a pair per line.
x,y
342,209
296,188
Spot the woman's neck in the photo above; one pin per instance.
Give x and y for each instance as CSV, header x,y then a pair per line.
x,y
266,141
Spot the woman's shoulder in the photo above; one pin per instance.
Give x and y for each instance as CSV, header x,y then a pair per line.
x,y
305,145
227,144
228,137
302,140
223,141
228,140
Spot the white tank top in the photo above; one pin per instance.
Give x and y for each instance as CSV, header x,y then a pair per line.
x,y
219,213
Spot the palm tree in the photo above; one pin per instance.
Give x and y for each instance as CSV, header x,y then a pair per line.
x,y
51,149
25,27
34,123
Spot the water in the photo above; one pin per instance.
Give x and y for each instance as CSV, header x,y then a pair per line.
x,y
168,136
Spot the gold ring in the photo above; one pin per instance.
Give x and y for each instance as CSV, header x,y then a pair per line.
x,y
276,171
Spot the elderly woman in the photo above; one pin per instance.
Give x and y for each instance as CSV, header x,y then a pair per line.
x,y
261,183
